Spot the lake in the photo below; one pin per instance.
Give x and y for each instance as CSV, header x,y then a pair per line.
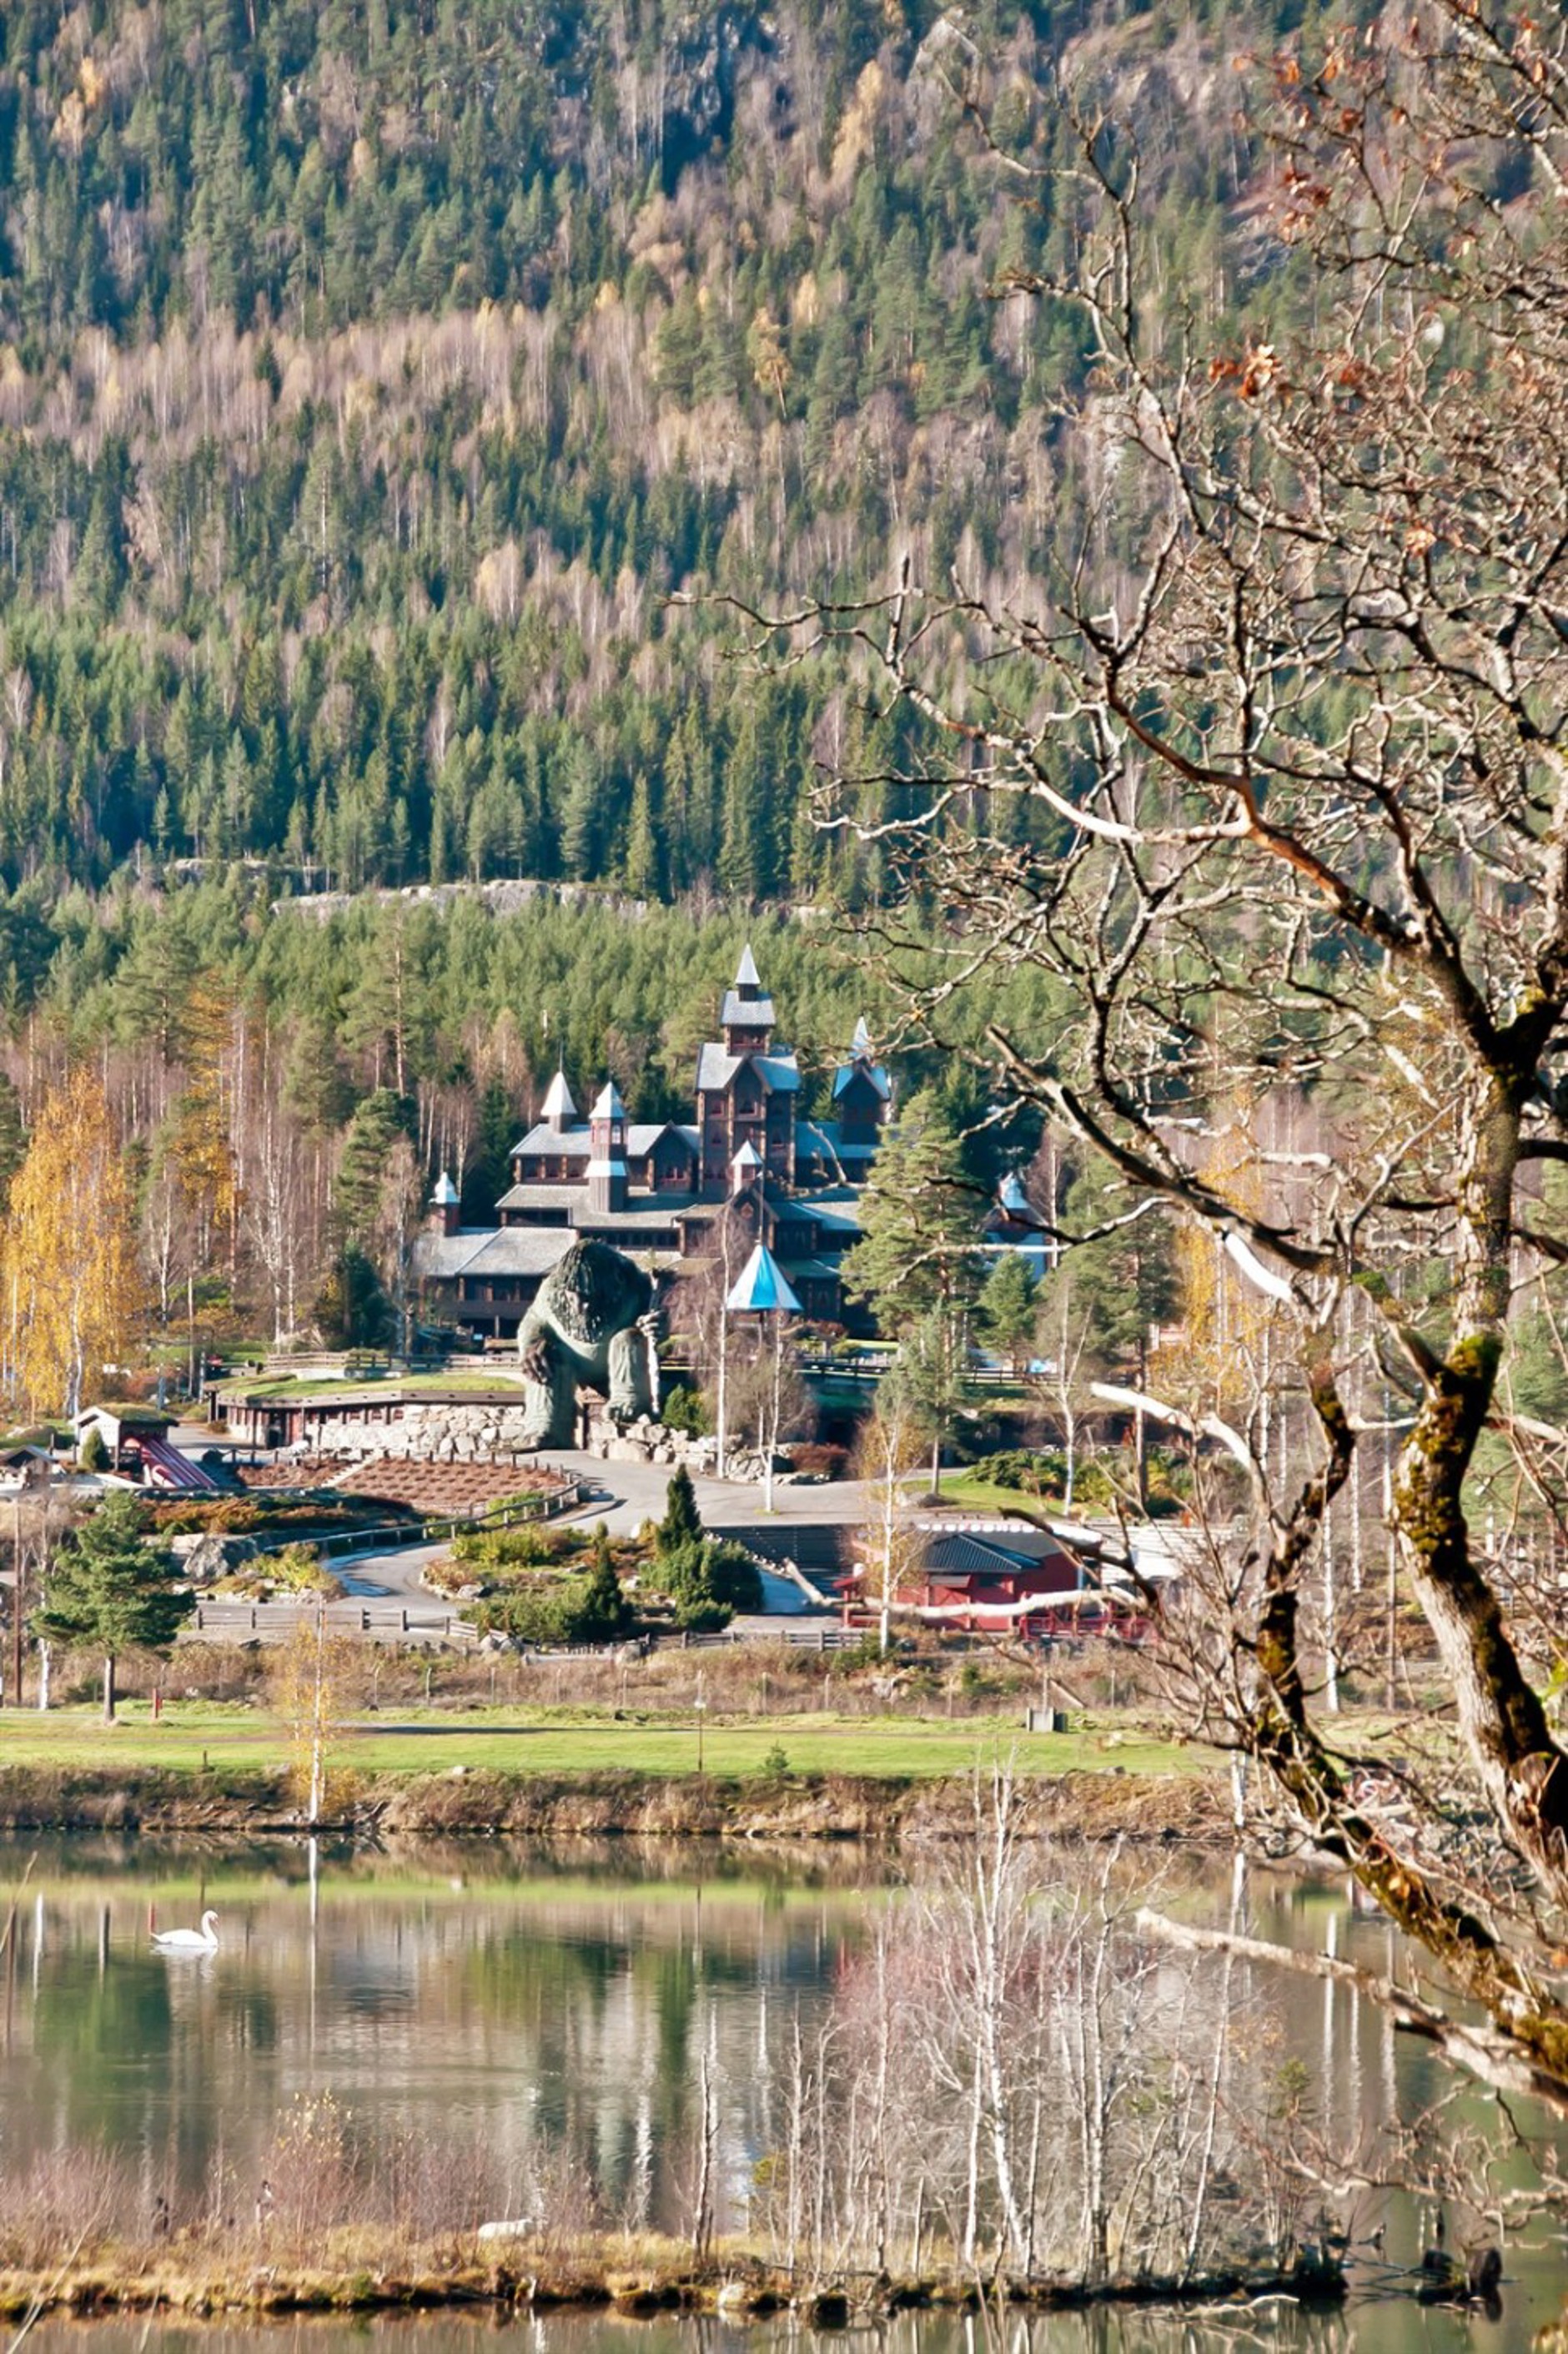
x,y
560,2008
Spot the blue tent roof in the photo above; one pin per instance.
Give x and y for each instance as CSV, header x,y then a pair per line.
x,y
763,1290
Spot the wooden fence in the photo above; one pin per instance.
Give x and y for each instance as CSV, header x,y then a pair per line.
x,y
224,1621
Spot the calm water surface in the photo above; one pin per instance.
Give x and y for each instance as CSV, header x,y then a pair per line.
x,y
561,2000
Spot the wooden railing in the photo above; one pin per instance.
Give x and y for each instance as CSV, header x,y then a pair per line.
x,y
798,1633
394,1536
233,1621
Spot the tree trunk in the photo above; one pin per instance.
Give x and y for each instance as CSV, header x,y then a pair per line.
x,y
1502,1719
108,1688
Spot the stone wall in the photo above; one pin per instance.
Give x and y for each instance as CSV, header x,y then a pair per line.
x,y
490,1433
484,1433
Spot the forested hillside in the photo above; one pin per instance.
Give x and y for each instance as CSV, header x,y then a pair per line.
x,y
389,397
372,372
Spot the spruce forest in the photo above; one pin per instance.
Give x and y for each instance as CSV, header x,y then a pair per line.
x,y
371,377
391,397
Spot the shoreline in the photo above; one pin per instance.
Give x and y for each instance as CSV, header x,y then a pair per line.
x,y
733,2282
1193,1807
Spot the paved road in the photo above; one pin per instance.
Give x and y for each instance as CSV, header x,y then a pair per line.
x,y
623,1496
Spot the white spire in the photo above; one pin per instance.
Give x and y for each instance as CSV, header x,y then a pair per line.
x,y
443,1193
859,1044
558,1105
610,1105
745,973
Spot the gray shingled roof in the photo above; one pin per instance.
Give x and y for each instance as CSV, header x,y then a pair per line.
x,y
746,1012
572,1141
575,1144
491,1250
964,1555
716,1066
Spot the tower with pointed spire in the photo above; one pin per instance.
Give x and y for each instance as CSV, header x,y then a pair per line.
x,y
557,1111
863,1096
747,1087
746,1016
445,1207
607,1153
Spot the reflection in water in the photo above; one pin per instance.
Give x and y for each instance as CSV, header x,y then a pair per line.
x,y
1384,2330
556,2006
496,1996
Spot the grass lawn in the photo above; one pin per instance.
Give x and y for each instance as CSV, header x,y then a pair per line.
x,y
537,1742
972,1494
356,1385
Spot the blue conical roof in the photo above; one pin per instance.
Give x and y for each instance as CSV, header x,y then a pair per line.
x,y
763,1290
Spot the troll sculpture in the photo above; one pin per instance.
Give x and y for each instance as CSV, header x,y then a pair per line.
x,y
591,1327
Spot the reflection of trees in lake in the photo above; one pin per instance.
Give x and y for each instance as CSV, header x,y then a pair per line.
x,y
561,2024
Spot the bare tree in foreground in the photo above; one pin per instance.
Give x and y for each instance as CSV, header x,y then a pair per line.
x,y
1294,778
1014,2076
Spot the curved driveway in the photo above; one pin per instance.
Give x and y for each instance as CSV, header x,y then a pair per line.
x,y
625,1495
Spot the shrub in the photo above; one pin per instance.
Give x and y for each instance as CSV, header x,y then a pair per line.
x,y
732,1573
592,1609
297,1569
683,1410
1033,1472
526,1548
707,1581
94,1454
818,1459
867,1653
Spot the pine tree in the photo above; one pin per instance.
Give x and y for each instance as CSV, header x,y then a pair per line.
x,y
106,1589
681,1523
930,1378
919,1222
1007,1306
601,1609
356,1198
580,814
642,863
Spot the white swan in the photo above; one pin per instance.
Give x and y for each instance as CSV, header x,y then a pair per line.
x,y
189,1941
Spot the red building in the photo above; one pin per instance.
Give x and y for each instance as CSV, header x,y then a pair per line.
x,y
1001,1585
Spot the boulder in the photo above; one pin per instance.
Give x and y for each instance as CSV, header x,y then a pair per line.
x,y
208,1555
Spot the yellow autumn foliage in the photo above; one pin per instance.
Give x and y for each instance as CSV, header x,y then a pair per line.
x,y
69,1285
1213,1362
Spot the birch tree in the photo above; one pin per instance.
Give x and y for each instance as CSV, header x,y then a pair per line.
x,y
68,1276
